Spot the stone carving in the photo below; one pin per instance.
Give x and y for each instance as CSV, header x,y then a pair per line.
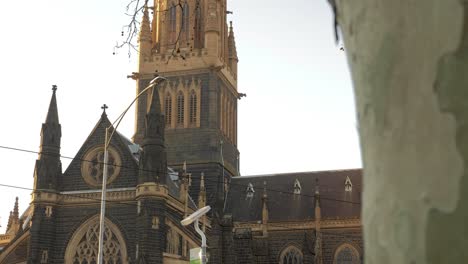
x,y
87,249
92,167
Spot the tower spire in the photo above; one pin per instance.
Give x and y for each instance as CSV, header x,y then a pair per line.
x,y
48,165
144,37
153,163
52,114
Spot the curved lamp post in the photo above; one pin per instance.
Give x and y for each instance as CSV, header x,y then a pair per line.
x,y
194,217
107,140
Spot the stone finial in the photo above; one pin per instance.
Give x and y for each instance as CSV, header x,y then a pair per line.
x,y
13,221
145,29
16,209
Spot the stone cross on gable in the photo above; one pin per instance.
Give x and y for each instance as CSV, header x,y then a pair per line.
x,y
54,88
104,107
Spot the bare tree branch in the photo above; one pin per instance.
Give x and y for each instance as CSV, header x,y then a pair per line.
x,y
134,11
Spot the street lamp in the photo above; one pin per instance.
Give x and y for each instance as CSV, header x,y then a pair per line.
x,y
107,140
194,218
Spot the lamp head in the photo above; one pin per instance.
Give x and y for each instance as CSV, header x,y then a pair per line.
x,y
195,216
156,80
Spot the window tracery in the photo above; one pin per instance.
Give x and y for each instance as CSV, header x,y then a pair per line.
x,y
83,248
180,108
198,38
175,243
185,20
193,107
291,255
250,190
168,109
297,187
346,254
172,23
348,185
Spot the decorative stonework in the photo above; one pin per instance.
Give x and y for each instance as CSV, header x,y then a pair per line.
x,y
92,166
291,255
48,211
151,189
83,246
95,196
306,225
346,254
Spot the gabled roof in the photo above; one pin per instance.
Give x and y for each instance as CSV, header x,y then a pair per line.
x,y
72,179
284,205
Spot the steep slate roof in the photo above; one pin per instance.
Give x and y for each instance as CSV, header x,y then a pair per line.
x,y
284,205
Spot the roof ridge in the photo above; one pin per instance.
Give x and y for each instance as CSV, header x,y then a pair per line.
x,y
295,173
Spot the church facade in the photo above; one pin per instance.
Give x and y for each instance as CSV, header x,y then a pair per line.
x,y
182,156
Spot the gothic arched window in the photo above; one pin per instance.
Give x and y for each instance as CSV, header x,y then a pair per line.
x,y
291,255
185,20
83,246
193,107
180,108
168,109
172,23
198,36
346,254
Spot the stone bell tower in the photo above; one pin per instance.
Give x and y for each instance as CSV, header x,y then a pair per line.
x,y
190,43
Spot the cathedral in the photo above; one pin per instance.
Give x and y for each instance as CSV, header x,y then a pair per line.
x,y
183,156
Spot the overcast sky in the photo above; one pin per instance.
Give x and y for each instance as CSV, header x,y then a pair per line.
x,y
298,114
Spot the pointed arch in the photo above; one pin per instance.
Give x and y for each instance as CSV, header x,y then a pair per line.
x,y
168,109
291,255
185,20
193,108
346,254
180,108
198,32
172,25
83,245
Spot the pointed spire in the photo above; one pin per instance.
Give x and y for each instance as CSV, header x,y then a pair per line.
x,y
9,221
232,51
13,220
231,31
265,210
202,198
145,30
48,165
15,209
155,106
144,38
153,161
52,114
154,118
184,179
318,218
202,182
317,194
